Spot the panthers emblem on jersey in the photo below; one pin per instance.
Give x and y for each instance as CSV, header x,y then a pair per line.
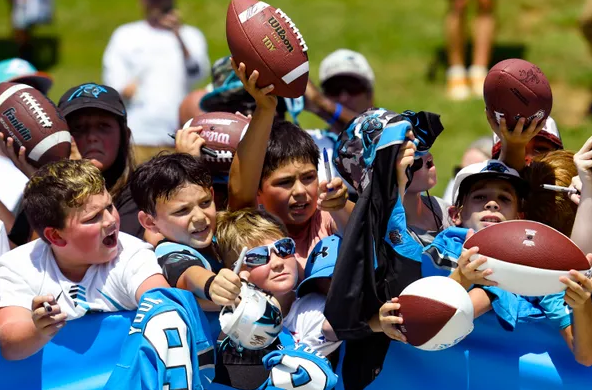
x,y
298,367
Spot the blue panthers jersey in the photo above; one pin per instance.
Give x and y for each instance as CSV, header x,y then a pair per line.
x,y
168,345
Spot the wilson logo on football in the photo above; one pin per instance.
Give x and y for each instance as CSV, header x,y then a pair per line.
x,y
214,136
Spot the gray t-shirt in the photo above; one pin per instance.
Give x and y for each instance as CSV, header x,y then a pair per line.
x,y
440,210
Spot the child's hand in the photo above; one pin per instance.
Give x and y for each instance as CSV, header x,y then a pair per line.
x,y
333,196
468,269
405,159
20,161
576,183
579,289
225,287
389,322
48,323
583,161
74,152
519,137
262,96
189,141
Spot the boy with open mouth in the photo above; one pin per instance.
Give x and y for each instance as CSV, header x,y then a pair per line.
x,y
81,263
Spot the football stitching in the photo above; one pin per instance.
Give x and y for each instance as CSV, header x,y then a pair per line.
x,y
39,112
224,156
294,29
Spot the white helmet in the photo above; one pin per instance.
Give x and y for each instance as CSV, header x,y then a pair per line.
x,y
255,323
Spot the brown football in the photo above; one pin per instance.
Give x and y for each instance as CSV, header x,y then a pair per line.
x,y
265,39
516,88
527,257
529,243
222,132
33,121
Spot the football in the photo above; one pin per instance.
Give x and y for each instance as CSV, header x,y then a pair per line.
x,y
437,313
516,88
265,39
527,257
33,121
222,132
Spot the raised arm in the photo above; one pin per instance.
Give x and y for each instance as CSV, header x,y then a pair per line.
x,y
582,228
514,142
245,171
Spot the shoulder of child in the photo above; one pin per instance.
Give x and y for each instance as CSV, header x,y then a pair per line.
x,y
35,251
129,245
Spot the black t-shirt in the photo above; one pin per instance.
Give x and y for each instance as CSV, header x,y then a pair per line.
x,y
128,214
242,370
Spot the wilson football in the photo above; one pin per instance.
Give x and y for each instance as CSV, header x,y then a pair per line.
x,y
33,121
527,257
222,132
265,39
516,88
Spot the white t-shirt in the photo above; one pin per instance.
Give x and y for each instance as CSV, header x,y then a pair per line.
x,y
305,323
4,247
153,59
31,270
14,182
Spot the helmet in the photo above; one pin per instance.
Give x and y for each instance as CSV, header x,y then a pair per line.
x,y
255,323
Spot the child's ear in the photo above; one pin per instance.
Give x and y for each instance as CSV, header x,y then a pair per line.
x,y
147,221
454,214
54,237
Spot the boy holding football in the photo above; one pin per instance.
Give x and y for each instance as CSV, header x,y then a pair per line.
x,y
81,263
489,193
275,165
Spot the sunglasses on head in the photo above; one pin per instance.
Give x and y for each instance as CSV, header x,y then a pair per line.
x,y
261,255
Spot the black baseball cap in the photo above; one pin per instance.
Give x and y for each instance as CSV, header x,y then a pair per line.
x,y
92,95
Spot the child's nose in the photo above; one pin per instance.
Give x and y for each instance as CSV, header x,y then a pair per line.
x,y
492,205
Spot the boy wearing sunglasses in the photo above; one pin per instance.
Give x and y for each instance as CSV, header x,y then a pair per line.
x,y
175,196
269,264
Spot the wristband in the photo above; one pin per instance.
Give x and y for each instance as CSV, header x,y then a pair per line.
x,y
207,287
336,115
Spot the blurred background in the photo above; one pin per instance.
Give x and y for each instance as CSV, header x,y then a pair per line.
x,y
402,40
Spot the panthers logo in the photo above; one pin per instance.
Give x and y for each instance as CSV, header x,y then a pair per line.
x,y
88,90
495,167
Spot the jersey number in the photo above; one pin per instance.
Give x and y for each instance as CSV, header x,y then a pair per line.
x,y
167,332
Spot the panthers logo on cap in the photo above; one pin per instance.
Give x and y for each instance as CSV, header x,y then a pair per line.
x,y
495,167
88,90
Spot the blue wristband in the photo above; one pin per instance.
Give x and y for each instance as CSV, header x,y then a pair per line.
x,y
336,115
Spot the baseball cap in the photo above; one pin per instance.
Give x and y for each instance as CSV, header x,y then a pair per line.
x,y
21,71
226,93
344,62
92,95
226,89
320,263
549,132
490,169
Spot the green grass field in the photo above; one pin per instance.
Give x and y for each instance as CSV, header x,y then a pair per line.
x,y
401,40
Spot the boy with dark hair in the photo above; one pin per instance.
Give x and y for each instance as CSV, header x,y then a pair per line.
x,y
276,166
175,197
81,264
